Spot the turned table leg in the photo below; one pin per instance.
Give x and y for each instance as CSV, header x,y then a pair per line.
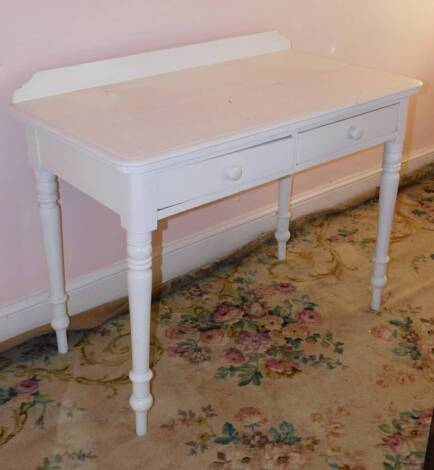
x,y
139,247
388,191
283,216
49,209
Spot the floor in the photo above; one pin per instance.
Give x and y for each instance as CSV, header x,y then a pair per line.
x,y
259,364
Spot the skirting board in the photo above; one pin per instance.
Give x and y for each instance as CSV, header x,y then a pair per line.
x,y
182,256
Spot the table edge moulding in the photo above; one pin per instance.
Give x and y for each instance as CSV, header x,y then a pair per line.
x,y
154,134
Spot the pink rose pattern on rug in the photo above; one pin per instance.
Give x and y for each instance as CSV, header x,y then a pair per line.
x,y
269,332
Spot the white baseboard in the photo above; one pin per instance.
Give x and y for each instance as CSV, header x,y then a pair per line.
x,y
181,256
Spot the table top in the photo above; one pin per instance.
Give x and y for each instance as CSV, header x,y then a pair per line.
x,y
148,119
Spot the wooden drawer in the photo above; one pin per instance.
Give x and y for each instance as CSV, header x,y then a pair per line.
x,y
226,174
346,135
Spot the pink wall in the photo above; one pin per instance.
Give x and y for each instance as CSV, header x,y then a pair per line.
x,y
393,35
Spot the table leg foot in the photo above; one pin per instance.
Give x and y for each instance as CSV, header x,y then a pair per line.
x,y
62,341
376,299
141,401
282,234
378,281
141,423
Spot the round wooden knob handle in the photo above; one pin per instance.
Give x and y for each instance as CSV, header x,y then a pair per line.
x,y
234,173
355,133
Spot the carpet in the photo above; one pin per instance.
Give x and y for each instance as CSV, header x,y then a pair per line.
x,y
259,364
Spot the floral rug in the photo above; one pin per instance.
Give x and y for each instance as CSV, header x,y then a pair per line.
x,y
259,364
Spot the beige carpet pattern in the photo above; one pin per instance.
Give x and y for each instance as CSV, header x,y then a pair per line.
x,y
259,364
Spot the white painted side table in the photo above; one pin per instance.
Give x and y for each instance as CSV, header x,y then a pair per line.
x,y
158,133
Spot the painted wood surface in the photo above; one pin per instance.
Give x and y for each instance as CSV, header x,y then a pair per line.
x,y
104,72
141,121
229,173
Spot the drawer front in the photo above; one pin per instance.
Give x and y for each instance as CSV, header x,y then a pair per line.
x,y
226,174
343,136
